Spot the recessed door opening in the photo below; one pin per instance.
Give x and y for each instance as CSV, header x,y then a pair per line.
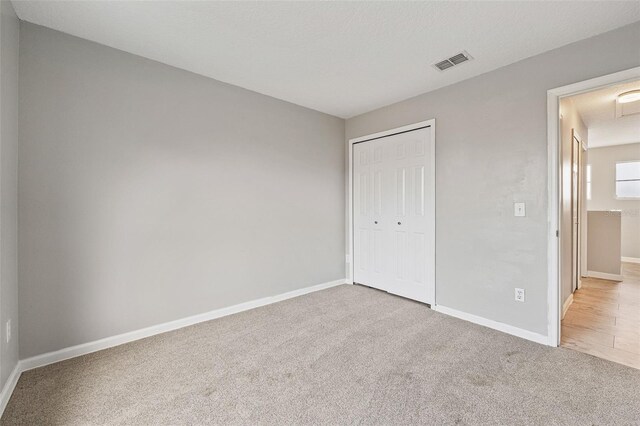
x,y
599,222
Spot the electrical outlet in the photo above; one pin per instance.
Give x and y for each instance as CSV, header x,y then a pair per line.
x,y
8,332
519,294
519,209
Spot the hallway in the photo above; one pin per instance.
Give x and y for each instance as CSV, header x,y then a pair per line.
x,y
604,318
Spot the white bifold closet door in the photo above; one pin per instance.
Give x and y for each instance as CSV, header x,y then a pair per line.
x,y
393,215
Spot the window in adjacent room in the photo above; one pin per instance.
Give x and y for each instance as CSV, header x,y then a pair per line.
x,y
628,180
588,181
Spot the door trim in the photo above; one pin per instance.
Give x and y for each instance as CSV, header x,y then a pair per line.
x,y
554,312
583,211
431,124
576,249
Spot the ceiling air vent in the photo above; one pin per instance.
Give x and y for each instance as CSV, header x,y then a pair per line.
x,y
444,65
453,61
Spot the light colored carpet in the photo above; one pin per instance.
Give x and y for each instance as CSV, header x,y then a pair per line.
x,y
345,355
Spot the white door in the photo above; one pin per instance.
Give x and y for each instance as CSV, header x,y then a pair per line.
x,y
393,198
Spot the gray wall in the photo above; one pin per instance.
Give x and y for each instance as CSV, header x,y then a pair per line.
x,y
603,177
149,194
9,37
570,119
605,232
491,150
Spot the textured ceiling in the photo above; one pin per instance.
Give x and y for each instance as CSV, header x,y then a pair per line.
x,y
342,58
598,111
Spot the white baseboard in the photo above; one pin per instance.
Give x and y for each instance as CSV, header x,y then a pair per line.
x,y
505,328
630,259
566,304
9,386
604,276
108,342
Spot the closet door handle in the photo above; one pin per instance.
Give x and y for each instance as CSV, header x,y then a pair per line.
x,y
399,223
376,222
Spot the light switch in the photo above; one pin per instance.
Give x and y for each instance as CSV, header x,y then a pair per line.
x,y
518,210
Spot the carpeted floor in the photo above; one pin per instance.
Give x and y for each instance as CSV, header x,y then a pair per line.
x,y
344,355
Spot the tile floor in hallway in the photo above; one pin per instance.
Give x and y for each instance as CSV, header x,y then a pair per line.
x,y
604,318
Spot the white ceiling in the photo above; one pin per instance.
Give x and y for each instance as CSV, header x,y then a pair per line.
x,y
598,112
342,58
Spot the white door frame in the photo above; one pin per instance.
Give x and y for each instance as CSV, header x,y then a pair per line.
x,y
582,198
583,210
553,189
432,126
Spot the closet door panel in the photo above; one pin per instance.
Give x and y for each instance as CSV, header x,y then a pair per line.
x,y
393,219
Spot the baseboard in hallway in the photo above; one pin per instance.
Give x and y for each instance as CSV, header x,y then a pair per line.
x,y
567,303
604,276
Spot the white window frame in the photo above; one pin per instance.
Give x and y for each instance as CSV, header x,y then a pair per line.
x,y
588,179
616,181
